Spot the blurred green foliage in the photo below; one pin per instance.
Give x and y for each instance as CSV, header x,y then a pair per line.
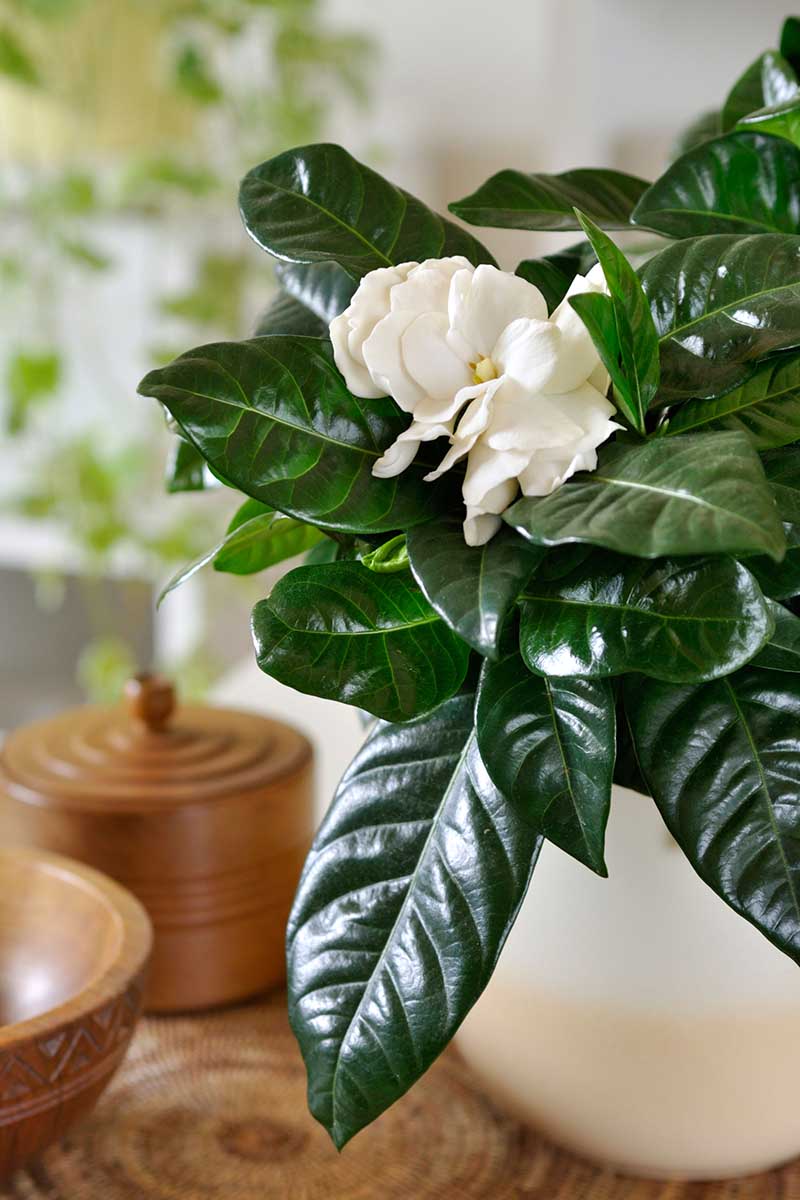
x,y
250,77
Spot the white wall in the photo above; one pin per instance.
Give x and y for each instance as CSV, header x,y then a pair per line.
x,y
464,89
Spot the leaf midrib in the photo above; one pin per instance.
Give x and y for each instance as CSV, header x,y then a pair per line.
x,y
723,309
677,495
628,608
455,775
303,197
766,793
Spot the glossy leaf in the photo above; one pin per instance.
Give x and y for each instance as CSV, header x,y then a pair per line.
x,y
288,316
767,81
782,651
273,415
741,183
674,619
632,358
627,772
779,111
514,200
550,281
555,272
318,204
257,538
720,303
389,557
187,470
323,287
699,494
766,407
548,745
472,587
781,580
346,633
409,892
723,763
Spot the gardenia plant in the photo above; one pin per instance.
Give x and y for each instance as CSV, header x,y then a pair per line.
x,y
554,530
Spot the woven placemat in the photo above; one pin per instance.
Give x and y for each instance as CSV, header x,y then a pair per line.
x,y
213,1108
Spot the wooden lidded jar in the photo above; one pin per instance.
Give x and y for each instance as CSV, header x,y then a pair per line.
x,y
205,814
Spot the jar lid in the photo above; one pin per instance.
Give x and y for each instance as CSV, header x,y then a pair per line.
x,y
147,754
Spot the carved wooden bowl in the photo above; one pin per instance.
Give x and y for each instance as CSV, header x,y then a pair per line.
x,y
73,951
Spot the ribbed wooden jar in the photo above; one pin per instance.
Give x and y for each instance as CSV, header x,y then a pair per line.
x,y
205,814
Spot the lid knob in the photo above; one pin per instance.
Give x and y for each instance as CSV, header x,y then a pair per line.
x,y
150,700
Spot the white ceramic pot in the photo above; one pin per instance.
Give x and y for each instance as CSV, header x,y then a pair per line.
x,y
637,1020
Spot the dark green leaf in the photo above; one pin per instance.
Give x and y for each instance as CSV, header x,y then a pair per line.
x,y
627,772
555,272
407,897
699,494
675,619
273,416
741,183
781,580
782,120
782,651
633,353
472,588
719,304
766,407
287,315
323,287
345,633
790,42
723,762
391,556
550,281
548,745
319,204
186,469
514,200
769,80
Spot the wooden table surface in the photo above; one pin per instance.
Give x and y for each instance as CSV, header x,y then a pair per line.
x,y
213,1108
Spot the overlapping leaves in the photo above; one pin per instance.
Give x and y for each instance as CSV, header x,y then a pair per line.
x,y
273,416
347,633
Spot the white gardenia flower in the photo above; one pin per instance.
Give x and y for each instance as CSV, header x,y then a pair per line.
x,y
472,355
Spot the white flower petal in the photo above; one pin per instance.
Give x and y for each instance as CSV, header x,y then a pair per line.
x,y
521,421
395,459
427,285
482,304
600,378
383,356
491,479
577,356
403,450
429,360
472,424
527,350
480,528
356,375
549,467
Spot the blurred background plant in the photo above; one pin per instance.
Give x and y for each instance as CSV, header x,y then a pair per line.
x,y
124,127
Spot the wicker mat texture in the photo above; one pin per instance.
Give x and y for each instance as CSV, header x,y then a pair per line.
x,y
213,1108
